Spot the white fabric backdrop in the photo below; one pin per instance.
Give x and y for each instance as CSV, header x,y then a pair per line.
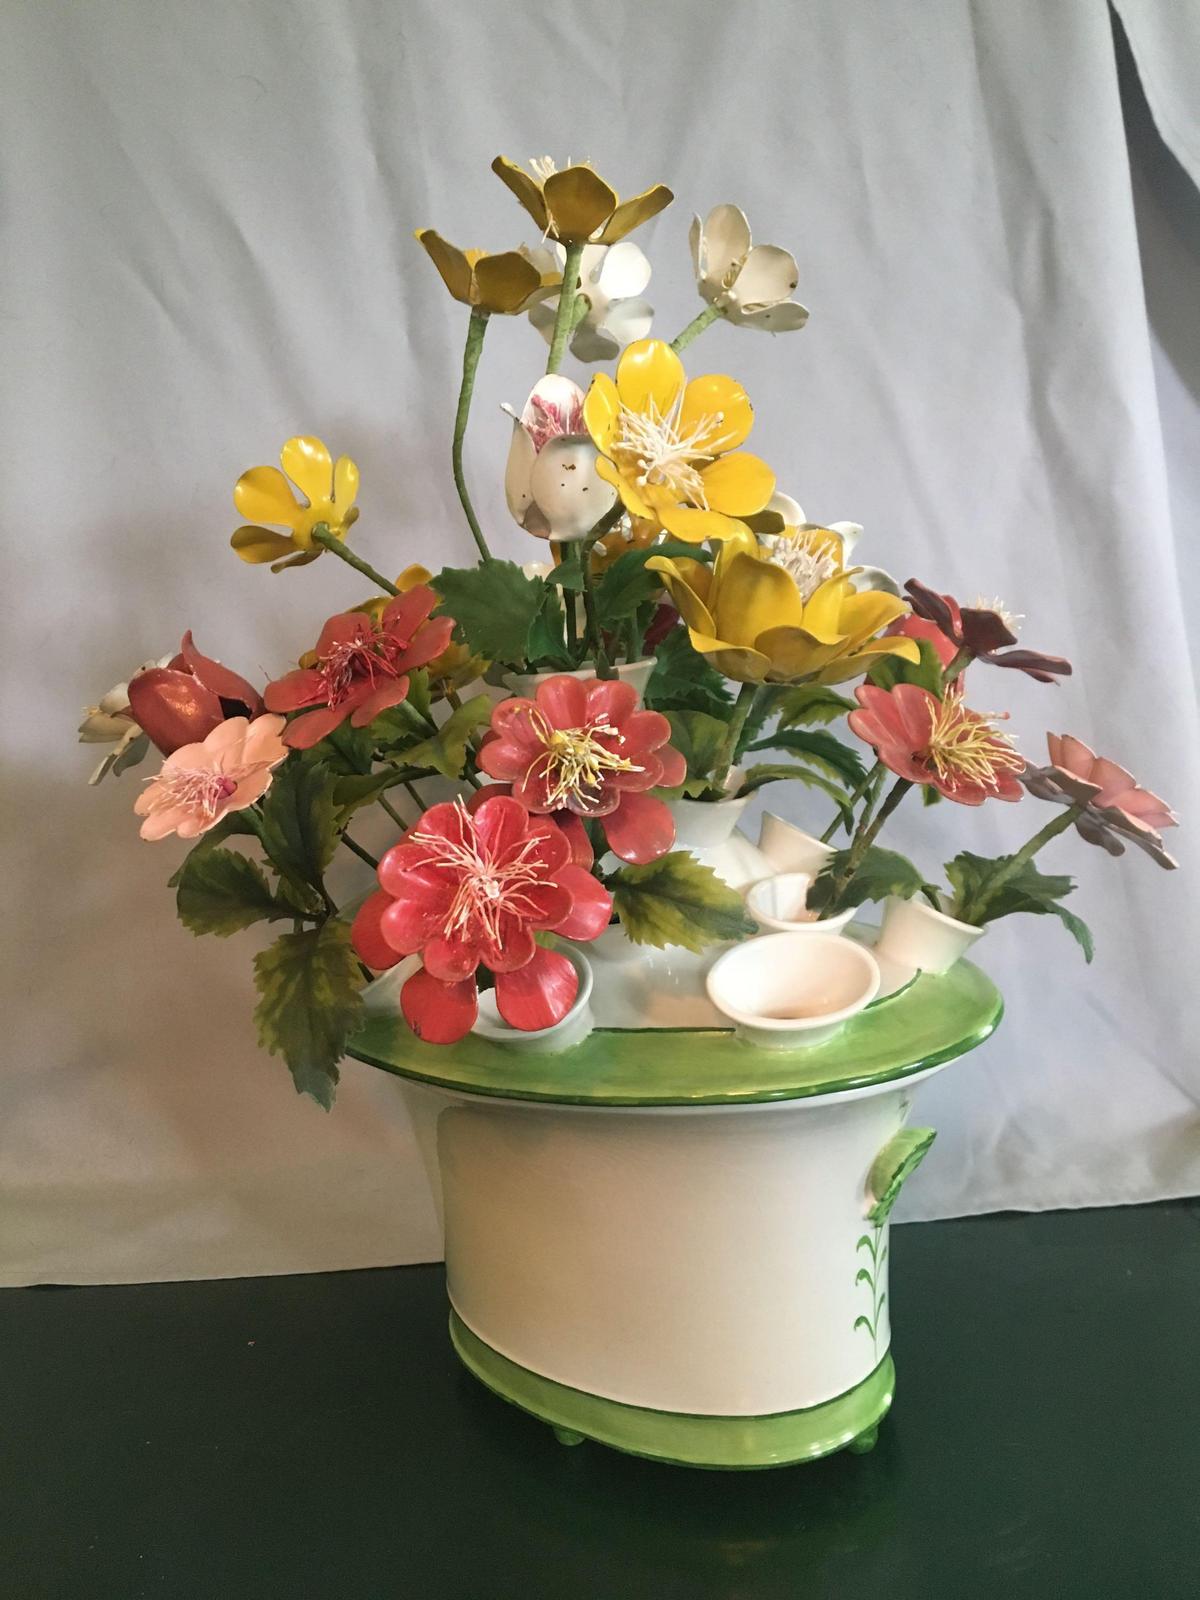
x,y
208,247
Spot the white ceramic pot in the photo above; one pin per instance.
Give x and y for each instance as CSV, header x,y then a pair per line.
x,y
780,905
702,1262
916,935
708,828
635,672
788,991
573,1029
789,848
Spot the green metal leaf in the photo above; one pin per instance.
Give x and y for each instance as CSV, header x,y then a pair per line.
x,y
446,750
683,680
888,671
821,749
297,822
626,584
222,892
231,825
781,771
676,900
880,873
699,738
309,1004
494,606
806,704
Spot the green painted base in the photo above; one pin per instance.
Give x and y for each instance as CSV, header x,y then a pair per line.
x,y
849,1421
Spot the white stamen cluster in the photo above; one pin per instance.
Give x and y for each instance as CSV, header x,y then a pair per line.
x,y
652,442
1012,620
808,565
193,788
575,761
487,889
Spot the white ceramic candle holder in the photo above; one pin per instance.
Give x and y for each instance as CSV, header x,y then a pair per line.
x,y
916,935
780,904
786,991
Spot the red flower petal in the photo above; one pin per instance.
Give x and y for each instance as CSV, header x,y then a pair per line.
x,y
440,1013
405,614
501,823
415,916
506,758
613,700
563,701
489,792
223,683
312,727
591,908
450,960
296,691
516,947
366,935
348,627
388,693
427,643
540,994
174,708
554,850
673,767
574,832
640,829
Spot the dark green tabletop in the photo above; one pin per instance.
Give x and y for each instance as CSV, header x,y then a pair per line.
x,y
313,1438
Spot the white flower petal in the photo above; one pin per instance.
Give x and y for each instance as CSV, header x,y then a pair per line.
x,y
724,242
542,316
767,277
775,319
790,510
696,246
567,490
590,343
521,456
628,320
876,578
849,533
624,271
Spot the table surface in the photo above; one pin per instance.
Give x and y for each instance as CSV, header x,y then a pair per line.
x,y
313,1437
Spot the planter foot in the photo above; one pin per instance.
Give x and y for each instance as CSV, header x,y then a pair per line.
x,y
864,1442
568,1436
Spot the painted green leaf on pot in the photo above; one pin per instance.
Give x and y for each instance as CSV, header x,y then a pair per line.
x,y
676,900
699,738
494,606
297,822
222,892
682,679
820,749
309,1004
880,873
895,1163
446,750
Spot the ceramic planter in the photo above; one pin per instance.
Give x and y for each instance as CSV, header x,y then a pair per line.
x,y
675,1243
916,935
635,672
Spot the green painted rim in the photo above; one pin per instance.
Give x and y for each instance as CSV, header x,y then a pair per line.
x,y
729,1443
932,1021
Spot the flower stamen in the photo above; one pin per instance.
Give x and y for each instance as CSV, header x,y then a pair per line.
x,y
664,456
965,747
807,563
575,760
488,889
193,788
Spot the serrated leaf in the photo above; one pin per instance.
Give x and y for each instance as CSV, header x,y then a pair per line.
x,y
231,825
879,874
683,681
808,704
547,641
347,749
780,771
494,607
676,900
699,739
822,749
568,574
888,671
222,892
297,823
446,750
626,584
309,1004
1029,891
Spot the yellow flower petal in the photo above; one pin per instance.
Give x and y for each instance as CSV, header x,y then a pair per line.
x,y
741,663
714,396
864,615
755,595
738,485
309,465
527,190
631,213
264,495
345,488
601,408
411,578
631,495
687,583
853,666
506,282
578,201
693,527
259,545
450,261
649,371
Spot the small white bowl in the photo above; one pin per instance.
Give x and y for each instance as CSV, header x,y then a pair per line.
x,y
914,933
780,903
786,991
571,1030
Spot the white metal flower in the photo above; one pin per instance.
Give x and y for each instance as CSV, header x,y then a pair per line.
x,y
750,284
551,484
111,721
611,278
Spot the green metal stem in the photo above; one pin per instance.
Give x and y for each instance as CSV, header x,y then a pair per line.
x,y
476,329
564,321
703,319
322,536
741,710
974,910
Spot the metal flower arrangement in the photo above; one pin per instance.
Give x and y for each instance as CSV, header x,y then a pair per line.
x,y
531,817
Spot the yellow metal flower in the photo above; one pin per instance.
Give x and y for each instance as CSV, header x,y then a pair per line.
x,y
576,206
454,667
505,284
670,447
264,495
747,614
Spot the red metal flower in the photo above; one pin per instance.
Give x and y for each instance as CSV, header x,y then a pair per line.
x,y
1117,808
584,746
184,701
983,632
939,742
360,667
470,887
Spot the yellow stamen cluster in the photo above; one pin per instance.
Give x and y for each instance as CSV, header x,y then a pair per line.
x,y
575,761
966,746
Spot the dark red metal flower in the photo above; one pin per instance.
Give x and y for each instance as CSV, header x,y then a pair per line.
x,y
184,701
983,632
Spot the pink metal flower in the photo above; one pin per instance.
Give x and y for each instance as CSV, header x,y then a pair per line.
x,y
1117,809
584,746
914,627
470,887
983,631
199,783
961,753
184,701
360,667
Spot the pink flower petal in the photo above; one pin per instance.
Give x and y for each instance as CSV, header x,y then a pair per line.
x,y
389,693
640,829
563,701
296,690
540,994
591,905
440,1013
366,934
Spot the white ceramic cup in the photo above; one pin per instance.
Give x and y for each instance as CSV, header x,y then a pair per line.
x,y
780,904
916,935
786,991
573,1029
789,848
